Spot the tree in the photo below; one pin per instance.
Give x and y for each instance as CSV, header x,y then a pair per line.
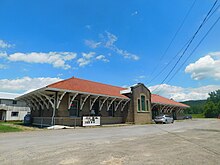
x,y
212,106
214,96
211,109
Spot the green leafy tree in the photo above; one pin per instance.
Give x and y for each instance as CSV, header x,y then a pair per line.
x,y
214,96
212,106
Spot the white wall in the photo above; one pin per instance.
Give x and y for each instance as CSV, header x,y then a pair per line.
x,y
21,114
9,107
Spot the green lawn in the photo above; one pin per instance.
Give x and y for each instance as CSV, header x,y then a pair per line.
x,y
15,126
8,128
198,115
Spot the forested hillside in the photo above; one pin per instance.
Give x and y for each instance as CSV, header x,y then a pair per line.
x,y
196,106
209,108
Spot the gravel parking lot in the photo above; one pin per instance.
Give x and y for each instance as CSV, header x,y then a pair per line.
x,y
193,142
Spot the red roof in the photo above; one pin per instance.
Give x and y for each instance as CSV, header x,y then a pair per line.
x,y
76,84
87,86
162,100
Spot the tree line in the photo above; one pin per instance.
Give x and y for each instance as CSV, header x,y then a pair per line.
x,y
209,107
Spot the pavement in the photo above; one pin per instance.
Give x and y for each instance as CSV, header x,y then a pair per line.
x,y
189,142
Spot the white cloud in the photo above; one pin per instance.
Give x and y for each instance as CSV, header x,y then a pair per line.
x,y
6,95
108,41
86,59
92,44
57,59
3,44
25,83
102,58
182,94
139,78
3,54
88,55
83,62
206,67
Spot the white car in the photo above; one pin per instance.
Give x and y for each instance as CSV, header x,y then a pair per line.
x,y
165,119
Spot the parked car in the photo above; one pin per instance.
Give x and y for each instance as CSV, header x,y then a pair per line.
x,y
165,119
187,117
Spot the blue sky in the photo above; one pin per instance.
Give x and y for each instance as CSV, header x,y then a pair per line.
x,y
114,42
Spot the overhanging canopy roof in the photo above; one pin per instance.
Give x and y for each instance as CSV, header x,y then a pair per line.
x,y
76,85
164,101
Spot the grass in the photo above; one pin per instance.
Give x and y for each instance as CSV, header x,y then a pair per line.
x,y
15,127
8,128
201,115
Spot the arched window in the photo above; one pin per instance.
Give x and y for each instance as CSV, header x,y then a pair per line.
x,y
142,104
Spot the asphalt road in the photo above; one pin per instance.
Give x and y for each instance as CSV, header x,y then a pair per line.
x,y
186,142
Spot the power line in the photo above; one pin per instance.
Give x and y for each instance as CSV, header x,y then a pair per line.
x,y
194,49
188,45
173,38
164,68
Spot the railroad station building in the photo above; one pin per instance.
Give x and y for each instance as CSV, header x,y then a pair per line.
x,y
66,102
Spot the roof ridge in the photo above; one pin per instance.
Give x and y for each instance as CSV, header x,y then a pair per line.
x,y
99,83
83,80
59,81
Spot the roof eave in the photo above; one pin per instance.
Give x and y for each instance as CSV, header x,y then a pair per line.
x,y
170,104
74,91
32,92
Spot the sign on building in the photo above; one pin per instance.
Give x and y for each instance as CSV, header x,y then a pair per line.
x,y
91,120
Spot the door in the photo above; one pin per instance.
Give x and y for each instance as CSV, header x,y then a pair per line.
x,y
1,115
96,108
174,114
74,109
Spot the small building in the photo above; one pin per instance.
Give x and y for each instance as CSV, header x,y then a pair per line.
x,y
11,109
67,101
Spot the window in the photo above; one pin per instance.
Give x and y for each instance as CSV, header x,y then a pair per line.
x,y
147,105
74,108
14,102
14,114
143,107
139,105
142,104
